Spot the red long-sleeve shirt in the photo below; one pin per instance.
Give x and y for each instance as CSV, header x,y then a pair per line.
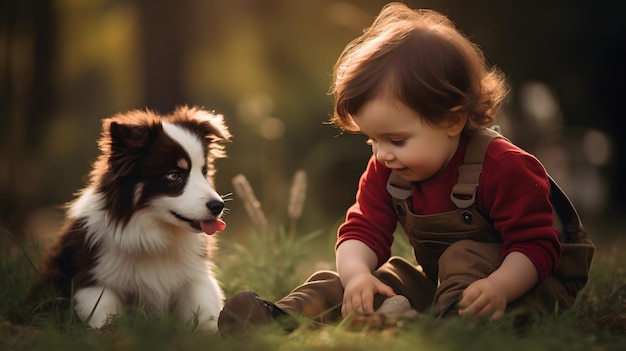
x,y
513,194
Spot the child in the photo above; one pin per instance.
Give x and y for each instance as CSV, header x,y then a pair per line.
x,y
477,209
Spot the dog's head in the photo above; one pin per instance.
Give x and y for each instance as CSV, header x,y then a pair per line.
x,y
162,165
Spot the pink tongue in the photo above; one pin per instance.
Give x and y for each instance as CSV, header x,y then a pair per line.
x,y
210,227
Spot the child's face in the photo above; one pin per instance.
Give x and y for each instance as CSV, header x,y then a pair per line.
x,y
403,141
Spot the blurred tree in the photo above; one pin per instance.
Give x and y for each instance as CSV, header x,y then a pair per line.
x,y
163,47
27,97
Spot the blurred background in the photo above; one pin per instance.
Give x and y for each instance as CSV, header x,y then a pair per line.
x,y
266,65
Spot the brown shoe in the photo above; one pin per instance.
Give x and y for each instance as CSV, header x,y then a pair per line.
x,y
245,311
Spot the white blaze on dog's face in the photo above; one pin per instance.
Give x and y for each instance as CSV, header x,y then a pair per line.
x,y
194,202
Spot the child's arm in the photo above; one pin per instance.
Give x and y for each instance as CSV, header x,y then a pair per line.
x,y
355,264
489,296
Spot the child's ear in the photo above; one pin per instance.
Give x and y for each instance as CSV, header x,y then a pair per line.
x,y
456,122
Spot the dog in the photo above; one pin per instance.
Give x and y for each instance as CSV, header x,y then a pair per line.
x,y
136,235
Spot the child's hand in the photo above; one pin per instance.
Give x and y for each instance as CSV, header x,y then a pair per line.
x,y
359,293
484,297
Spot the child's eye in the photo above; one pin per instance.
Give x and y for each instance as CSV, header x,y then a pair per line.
x,y
398,142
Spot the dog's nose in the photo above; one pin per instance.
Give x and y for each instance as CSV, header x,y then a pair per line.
x,y
215,206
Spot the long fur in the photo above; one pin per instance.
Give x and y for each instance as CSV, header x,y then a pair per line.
x,y
133,237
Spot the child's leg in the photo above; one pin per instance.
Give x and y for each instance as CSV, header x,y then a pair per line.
x,y
467,261
318,298
460,265
405,279
550,296
321,296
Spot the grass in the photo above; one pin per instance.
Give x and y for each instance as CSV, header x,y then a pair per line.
x,y
598,321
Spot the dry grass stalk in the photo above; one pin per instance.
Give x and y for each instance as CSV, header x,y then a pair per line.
x,y
297,195
252,205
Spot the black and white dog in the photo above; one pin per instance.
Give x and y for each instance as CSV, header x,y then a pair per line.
x,y
133,237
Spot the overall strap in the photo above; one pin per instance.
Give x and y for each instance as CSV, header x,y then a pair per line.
x,y
398,187
463,193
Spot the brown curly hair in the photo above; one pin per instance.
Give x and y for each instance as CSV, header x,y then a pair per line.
x,y
421,59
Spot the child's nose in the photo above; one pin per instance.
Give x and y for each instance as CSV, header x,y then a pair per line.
x,y
383,155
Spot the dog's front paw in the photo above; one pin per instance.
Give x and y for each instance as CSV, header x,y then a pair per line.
x,y
201,303
97,305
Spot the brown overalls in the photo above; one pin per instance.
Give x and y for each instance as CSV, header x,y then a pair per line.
x,y
455,249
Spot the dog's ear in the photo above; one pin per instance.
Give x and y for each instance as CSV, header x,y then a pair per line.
x,y
124,136
128,137
212,125
209,126
215,127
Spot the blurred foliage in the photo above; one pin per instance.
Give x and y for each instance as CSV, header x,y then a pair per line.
x,y
266,65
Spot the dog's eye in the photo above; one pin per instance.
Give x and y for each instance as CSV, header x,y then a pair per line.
x,y
205,170
173,176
